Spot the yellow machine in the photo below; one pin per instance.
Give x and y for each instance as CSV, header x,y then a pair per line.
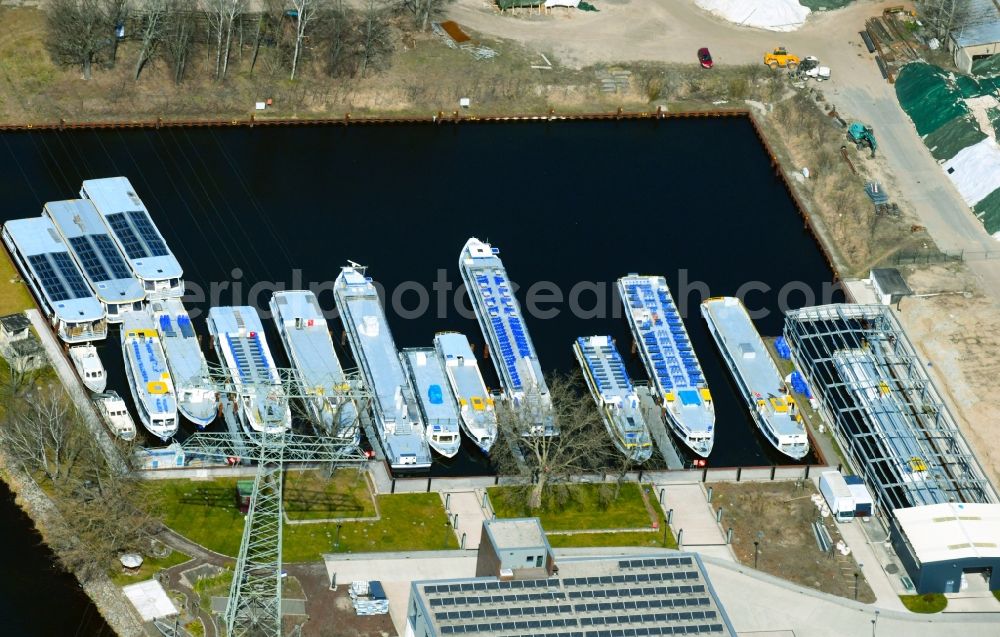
x,y
781,57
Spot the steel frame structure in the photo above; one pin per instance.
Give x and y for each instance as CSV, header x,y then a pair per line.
x,y
254,606
874,390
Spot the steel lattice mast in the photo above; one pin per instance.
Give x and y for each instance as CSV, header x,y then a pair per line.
x,y
254,606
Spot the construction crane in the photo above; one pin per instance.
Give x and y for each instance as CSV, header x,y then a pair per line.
x,y
254,606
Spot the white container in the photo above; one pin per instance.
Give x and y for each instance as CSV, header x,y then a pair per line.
x,y
837,494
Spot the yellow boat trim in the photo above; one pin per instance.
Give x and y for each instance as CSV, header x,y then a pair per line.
x,y
669,396
141,333
917,464
779,405
706,395
463,402
490,402
477,403
156,387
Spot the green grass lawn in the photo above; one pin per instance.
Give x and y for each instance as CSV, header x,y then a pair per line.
x,y
582,509
653,539
205,512
14,297
929,603
310,496
150,567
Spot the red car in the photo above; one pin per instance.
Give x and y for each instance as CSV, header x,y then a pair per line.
x,y
705,58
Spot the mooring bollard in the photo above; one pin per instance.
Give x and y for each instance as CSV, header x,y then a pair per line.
x,y
718,515
710,494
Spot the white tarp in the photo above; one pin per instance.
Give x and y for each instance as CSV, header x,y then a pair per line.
x,y
150,600
975,170
562,3
773,15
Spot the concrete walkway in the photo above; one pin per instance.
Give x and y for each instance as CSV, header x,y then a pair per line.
x,y
881,583
466,505
693,515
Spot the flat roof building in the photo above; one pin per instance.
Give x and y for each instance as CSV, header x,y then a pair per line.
x,y
976,33
639,596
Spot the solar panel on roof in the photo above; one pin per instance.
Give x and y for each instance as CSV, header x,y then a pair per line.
x,y
112,257
447,630
716,628
699,588
120,226
148,233
91,264
71,275
47,278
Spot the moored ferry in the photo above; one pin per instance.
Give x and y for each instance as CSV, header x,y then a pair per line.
x,y
609,384
670,360
306,336
510,346
770,402
475,405
434,398
196,399
74,312
398,423
136,235
89,367
238,337
148,376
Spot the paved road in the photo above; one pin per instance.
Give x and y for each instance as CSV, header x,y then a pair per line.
x,y
672,30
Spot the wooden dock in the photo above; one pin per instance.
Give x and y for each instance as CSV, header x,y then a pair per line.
x,y
654,420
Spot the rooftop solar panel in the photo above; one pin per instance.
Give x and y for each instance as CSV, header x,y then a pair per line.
x,y
47,278
148,233
89,260
134,249
71,275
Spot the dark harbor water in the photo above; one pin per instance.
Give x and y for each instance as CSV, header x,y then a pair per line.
x,y
36,597
571,205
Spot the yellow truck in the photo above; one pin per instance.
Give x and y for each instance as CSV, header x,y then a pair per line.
x,y
780,57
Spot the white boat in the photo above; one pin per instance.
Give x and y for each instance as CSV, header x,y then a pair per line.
x,y
148,376
770,402
195,399
88,365
434,397
306,336
475,406
239,342
115,414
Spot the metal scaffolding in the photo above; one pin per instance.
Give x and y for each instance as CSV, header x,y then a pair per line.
x,y
887,416
254,606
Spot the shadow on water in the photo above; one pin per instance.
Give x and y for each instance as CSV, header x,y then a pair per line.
x,y
571,205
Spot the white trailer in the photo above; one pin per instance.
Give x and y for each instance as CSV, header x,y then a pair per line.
x,y
838,495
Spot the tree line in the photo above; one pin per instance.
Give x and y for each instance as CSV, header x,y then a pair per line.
x,y
342,40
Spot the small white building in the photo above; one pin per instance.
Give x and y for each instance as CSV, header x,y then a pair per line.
x,y
976,34
889,285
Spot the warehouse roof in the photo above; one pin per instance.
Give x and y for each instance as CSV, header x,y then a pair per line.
x,y
979,25
953,530
591,597
516,533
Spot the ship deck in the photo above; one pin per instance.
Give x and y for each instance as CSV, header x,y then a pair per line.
x,y
306,337
98,256
153,384
240,332
500,318
53,270
180,342
605,367
431,385
749,355
134,231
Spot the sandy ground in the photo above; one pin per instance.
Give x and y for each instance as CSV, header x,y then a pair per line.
x,y
959,336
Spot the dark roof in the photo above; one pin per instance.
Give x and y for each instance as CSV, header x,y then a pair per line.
x,y
15,322
890,281
977,23
25,347
591,597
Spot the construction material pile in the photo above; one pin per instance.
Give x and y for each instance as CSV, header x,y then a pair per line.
x,y
369,598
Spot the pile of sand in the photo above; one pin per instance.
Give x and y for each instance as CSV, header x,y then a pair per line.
x,y
773,15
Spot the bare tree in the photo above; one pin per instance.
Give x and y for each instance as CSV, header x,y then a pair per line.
x,y
79,32
582,444
942,15
424,10
222,16
115,12
337,28
375,38
43,434
154,23
178,35
305,11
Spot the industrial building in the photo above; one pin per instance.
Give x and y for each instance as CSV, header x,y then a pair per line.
x,y
520,590
976,34
896,433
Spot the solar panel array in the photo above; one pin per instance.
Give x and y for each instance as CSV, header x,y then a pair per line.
x,y
69,285
97,267
647,598
137,234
